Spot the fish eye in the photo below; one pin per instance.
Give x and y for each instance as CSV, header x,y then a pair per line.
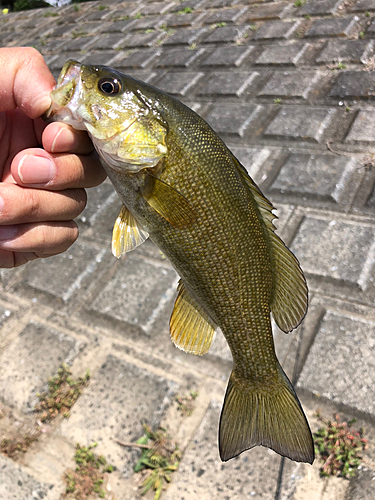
x,y
109,86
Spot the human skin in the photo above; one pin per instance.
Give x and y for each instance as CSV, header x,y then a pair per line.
x,y
43,168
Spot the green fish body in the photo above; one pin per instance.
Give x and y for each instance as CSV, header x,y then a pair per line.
x,y
181,186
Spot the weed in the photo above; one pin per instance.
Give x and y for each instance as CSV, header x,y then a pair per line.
x,y
76,8
361,35
367,14
150,30
102,7
138,15
159,459
340,65
50,14
338,447
306,16
193,46
299,3
186,403
277,100
89,475
12,447
185,10
221,25
63,392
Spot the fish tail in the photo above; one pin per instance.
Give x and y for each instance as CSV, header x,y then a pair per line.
x,y
270,416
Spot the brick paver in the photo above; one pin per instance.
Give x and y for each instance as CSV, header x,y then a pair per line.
x,y
290,87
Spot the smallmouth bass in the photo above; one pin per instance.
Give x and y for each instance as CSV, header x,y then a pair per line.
x,y
182,187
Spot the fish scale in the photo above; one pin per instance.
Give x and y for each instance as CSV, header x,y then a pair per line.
x,y
181,185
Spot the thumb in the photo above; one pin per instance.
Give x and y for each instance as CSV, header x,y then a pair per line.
x,y
26,81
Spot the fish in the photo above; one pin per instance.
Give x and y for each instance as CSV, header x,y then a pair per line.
x,y
184,189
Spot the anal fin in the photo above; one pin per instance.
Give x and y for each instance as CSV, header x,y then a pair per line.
x,y
192,330
126,234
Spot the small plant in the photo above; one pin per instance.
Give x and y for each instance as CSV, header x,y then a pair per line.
x,y
185,10
76,8
367,14
102,7
12,447
193,46
277,100
138,15
159,459
361,35
221,25
338,446
340,65
150,30
50,14
63,392
186,403
89,475
306,16
299,3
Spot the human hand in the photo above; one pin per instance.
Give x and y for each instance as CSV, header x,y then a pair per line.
x,y
41,190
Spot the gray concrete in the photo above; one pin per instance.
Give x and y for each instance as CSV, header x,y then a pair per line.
x,y
290,88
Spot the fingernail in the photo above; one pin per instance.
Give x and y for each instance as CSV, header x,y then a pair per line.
x,y
8,232
64,141
36,169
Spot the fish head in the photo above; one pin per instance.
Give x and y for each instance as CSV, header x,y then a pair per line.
x,y
124,124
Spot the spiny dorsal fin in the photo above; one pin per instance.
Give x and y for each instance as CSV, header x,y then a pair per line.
x,y
126,233
289,298
168,202
192,330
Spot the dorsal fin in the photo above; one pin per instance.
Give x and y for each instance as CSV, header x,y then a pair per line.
x,y
192,330
289,297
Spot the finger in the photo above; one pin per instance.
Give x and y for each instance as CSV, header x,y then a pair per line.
x,y
37,168
49,238
19,205
27,81
15,259
61,138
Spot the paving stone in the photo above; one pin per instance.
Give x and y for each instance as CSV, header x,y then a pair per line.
x,y
225,16
98,199
227,34
146,23
370,32
253,159
81,43
102,57
141,285
363,128
17,484
95,16
332,27
354,84
64,30
342,252
120,26
253,474
340,365
216,4
28,362
142,39
232,118
276,29
120,398
290,123
185,36
353,51
269,11
179,57
178,20
364,5
320,7
179,83
192,4
363,487
228,56
63,275
282,54
291,84
137,59
230,84
325,177
108,42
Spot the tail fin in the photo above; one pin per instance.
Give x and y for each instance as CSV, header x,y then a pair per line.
x,y
272,417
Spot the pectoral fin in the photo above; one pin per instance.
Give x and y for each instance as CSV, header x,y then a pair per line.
x,y
192,330
126,234
168,202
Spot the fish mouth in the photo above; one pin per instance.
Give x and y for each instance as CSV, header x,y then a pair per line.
x,y
66,88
